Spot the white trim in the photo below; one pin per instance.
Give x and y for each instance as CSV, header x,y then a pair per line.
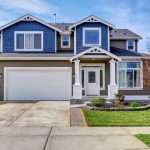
x,y
32,19
75,49
62,42
91,28
124,38
101,66
55,42
28,32
141,75
128,45
1,41
36,68
96,20
95,56
98,48
34,58
108,39
132,57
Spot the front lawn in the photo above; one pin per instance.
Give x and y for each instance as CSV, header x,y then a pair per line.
x,y
145,138
117,118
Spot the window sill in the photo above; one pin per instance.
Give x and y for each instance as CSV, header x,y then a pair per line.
x,y
28,50
65,46
130,89
91,45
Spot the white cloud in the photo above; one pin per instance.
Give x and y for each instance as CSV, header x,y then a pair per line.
x,y
35,6
124,15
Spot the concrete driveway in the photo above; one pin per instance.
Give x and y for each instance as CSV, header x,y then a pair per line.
x,y
44,113
69,138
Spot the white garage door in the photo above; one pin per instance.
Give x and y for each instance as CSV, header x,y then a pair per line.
x,y
52,83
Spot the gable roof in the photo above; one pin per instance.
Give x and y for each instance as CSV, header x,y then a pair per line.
x,y
92,18
97,50
123,34
29,17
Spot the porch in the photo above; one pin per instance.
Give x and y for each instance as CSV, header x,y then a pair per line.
x,y
95,74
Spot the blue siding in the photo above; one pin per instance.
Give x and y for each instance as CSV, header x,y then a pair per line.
x,y
48,36
79,36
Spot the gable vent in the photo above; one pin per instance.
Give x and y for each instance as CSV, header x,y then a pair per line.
x,y
92,19
28,18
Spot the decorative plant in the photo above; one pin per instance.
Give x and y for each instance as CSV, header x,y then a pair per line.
x,y
119,99
98,102
134,104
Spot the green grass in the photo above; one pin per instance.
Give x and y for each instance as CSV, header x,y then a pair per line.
x,y
145,138
117,118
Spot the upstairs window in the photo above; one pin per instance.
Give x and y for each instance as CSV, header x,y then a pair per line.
x,y
65,41
131,45
28,41
91,36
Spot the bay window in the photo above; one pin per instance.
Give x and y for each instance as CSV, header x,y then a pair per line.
x,y
130,75
91,36
28,41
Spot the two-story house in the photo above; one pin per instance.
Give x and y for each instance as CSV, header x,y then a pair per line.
x,y
89,58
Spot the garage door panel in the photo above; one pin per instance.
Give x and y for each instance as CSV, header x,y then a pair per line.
x,y
47,84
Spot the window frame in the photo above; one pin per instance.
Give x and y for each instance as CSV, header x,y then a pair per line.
x,y
127,44
62,46
27,32
88,29
141,76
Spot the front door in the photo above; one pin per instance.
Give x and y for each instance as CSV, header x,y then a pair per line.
x,y
92,88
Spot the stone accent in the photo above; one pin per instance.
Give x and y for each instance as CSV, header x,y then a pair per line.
x,y
118,108
146,74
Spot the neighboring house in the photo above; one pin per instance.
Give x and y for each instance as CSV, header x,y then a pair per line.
x,y
90,58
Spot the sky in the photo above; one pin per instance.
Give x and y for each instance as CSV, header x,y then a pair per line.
x,y
130,14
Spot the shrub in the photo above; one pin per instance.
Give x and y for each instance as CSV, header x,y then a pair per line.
x,y
119,100
97,102
119,97
134,104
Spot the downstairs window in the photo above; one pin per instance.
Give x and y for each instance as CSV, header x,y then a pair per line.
x,y
130,75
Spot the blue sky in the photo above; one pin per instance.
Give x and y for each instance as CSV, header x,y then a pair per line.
x,y
131,14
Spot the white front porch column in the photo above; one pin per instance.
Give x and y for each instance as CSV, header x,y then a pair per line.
x,y
112,87
77,88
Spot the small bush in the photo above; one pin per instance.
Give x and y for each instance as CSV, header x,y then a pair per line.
x,y
134,104
119,97
97,102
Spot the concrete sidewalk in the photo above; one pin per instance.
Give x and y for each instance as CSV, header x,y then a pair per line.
x,y
70,138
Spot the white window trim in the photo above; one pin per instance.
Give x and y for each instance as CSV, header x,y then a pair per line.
x,y
91,28
83,67
25,32
133,45
141,76
1,40
62,42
